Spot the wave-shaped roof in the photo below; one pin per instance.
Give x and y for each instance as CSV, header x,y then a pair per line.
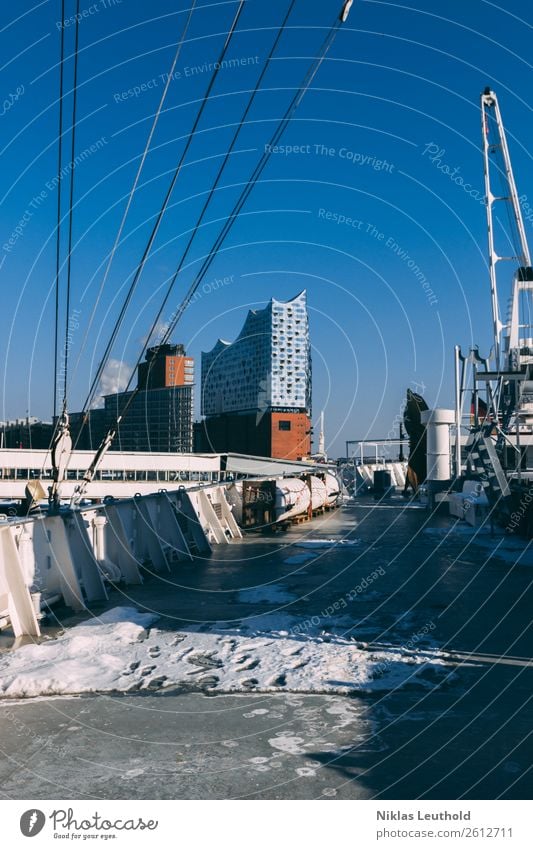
x,y
252,318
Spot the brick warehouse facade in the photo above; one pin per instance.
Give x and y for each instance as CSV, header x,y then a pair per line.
x,y
256,391
161,415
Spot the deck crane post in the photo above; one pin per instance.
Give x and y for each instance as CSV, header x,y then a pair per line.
x,y
507,375
509,338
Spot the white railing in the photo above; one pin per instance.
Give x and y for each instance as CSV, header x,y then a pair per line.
x,y
75,555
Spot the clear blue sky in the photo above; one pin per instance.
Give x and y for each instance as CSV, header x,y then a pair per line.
x,y
401,83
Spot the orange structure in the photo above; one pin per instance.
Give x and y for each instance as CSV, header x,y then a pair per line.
x,y
166,366
290,435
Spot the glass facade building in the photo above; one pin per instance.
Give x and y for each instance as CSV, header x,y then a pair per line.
x,y
267,367
256,391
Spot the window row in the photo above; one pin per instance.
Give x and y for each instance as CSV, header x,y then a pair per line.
x,y
165,475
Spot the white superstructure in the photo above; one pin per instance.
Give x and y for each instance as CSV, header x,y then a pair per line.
x,y
124,474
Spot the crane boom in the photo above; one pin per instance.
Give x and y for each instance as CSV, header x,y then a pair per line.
x,y
513,337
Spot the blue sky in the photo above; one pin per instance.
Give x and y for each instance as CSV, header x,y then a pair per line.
x,y
376,209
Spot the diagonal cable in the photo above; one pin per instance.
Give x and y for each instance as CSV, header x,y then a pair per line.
x,y
58,231
220,172
293,106
134,185
118,323
71,199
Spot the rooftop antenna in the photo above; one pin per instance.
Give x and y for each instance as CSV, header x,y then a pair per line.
x,y
321,438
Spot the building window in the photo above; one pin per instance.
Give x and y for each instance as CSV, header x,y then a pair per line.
x,y
284,425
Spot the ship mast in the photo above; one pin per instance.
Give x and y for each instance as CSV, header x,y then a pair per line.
x,y
513,336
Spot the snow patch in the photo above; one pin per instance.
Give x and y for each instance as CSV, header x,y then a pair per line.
x,y
289,745
106,655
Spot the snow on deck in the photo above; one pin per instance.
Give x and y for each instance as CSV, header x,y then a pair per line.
x,y
120,652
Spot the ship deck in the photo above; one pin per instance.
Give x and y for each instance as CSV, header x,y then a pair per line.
x,y
460,731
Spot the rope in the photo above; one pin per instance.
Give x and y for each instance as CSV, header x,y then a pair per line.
x,y
293,106
218,65
58,228
297,99
134,186
71,198
219,173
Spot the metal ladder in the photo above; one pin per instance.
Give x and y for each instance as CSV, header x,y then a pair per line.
x,y
483,457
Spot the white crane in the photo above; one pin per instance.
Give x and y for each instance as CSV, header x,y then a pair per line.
x,y
513,338
509,380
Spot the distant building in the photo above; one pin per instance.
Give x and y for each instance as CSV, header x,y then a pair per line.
x,y
25,433
256,391
160,415
166,366
89,437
